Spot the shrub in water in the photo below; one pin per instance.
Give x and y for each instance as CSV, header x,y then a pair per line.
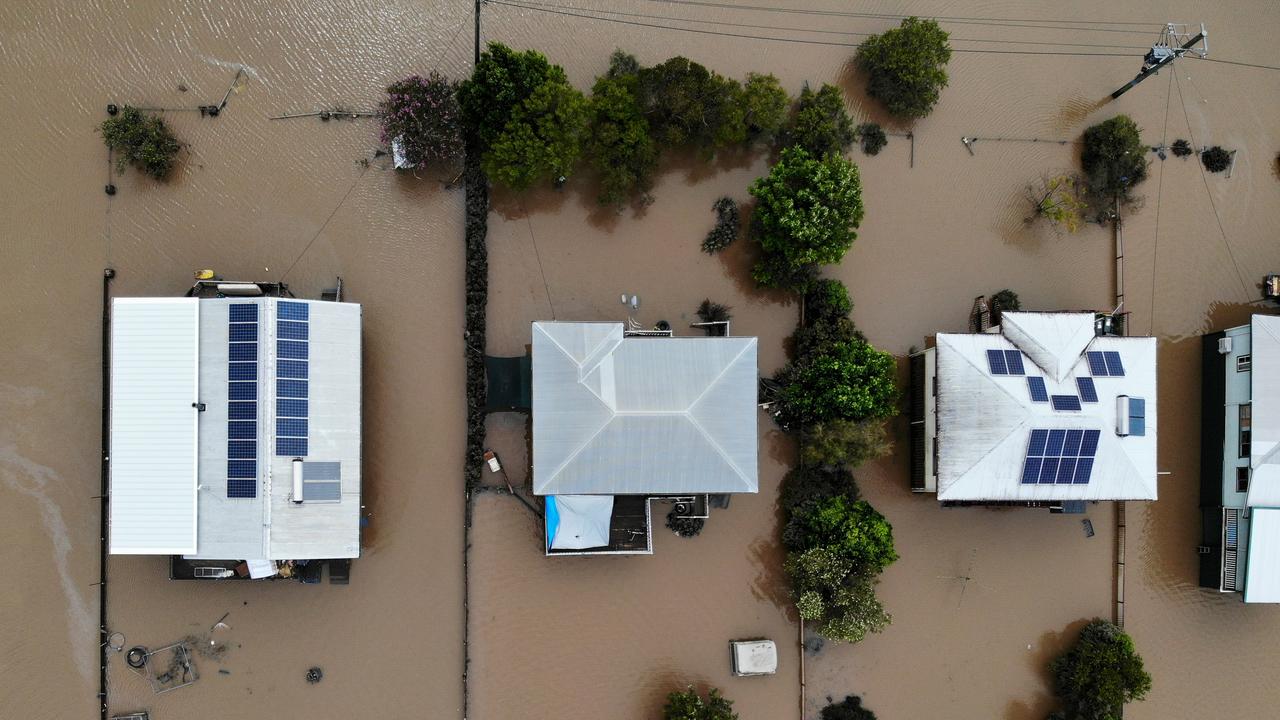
x,y
872,137
1215,159
423,114
1181,148
728,223
143,141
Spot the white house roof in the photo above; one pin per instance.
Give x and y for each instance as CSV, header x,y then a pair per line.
x,y
1262,573
993,435
278,379
641,415
154,364
1264,483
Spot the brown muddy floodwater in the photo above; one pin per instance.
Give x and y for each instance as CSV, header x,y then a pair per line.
x,y
981,598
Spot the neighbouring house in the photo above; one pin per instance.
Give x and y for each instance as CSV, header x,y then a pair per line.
x,y
1240,461
1043,410
235,432
621,420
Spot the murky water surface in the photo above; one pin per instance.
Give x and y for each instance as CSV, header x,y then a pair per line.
x,y
981,598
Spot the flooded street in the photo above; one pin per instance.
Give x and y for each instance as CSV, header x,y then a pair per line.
x,y
981,599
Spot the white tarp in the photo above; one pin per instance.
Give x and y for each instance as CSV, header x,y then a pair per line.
x,y
583,521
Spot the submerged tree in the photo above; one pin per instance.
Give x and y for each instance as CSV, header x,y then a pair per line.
x,y
844,442
764,105
847,380
820,123
422,114
1102,672
872,138
1114,160
501,81
848,709
1215,159
620,147
543,137
687,104
689,705
906,67
141,140
728,225
1057,200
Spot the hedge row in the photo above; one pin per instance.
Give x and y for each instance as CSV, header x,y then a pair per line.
x,y
477,296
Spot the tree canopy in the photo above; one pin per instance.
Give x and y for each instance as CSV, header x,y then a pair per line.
x,y
543,137
687,104
806,211
764,106
501,81
423,114
1102,672
848,709
1114,160
619,146
847,380
906,67
820,123
141,140
689,705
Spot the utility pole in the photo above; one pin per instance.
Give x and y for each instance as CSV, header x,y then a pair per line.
x,y
1166,50
478,4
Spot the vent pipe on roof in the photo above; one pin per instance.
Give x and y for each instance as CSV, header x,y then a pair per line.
x,y
297,481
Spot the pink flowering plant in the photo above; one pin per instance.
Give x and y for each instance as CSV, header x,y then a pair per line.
x,y
423,113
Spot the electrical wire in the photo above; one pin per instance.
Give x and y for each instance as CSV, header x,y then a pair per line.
x,y
781,39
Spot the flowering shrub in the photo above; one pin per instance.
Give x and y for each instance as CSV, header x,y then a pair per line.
x,y
423,114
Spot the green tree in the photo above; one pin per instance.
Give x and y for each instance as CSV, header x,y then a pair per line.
x,y
806,484
820,124
689,705
872,137
764,106
544,136
687,104
851,528
620,147
844,442
806,211
854,613
848,709
1058,201
1114,160
906,67
1102,672
827,592
141,140
848,380
1004,301
500,83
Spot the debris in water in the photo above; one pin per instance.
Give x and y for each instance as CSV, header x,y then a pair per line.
x,y
314,675
223,671
1088,527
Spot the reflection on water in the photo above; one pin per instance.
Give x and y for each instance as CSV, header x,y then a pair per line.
x,y
292,196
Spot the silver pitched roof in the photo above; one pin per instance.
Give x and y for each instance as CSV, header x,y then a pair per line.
x,y
616,415
985,421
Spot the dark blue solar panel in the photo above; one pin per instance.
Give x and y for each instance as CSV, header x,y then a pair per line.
x,y
243,352
1056,438
1097,364
1013,359
1089,446
1038,440
238,488
242,410
242,371
242,468
243,449
1088,392
293,369
1035,385
1137,407
1049,471
995,359
243,312
291,408
243,332
1031,471
1084,466
291,446
1138,426
1065,402
291,349
1114,367
242,430
1066,471
291,311
291,388
1071,446
292,330
242,391
291,427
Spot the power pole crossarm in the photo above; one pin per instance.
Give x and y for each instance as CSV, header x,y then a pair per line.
x,y
1165,51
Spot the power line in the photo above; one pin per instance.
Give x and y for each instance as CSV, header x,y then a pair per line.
x,y
960,20
780,39
529,4
1241,64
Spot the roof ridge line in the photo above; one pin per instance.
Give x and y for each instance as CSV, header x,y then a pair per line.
x,y
719,375
725,456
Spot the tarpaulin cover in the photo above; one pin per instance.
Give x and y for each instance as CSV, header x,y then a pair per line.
x,y
575,522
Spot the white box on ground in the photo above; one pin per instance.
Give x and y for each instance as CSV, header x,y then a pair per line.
x,y
754,657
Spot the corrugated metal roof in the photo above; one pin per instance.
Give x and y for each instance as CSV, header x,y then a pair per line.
x,y
985,421
1262,573
616,415
1264,483
154,364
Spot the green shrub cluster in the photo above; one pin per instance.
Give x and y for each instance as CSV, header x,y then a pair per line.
x,y
1114,160
1215,159
141,140
1098,675
689,705
848,709
906,67
872,138
477,300
728,225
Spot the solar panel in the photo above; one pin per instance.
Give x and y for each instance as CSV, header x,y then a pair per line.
x,y
242,395
1097,364
242,488
243,312
242,430
995,358
242,371
1035,385
291,350
1013,359
242,391
291,388
243,352
242,449
291,408
291,447
295,369
1114,367
1088,392
292,310
242,468
242,332
1059,457
291,427
242,410
293,331
1065,402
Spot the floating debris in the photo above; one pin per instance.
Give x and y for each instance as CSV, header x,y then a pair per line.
x,y
315,675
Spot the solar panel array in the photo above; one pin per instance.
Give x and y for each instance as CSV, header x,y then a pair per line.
x,y
1005,362
1137,417
1035,386
1105,363
293,335
242,400
1060,457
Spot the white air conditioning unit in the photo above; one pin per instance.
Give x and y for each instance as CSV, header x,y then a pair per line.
x,y
1224,346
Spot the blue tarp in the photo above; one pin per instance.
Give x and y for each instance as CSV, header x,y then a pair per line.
x,y
553,519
